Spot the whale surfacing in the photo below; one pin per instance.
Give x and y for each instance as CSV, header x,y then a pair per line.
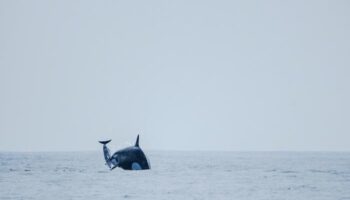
x,y
130,158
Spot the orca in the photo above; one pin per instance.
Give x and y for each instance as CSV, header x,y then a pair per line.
x,y
130,158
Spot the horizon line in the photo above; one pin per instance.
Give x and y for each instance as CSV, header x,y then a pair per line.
x,y
182,150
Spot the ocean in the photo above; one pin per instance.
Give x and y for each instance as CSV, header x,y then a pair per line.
x,y
178,175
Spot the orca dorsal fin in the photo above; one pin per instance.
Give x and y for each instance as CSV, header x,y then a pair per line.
x,y
137,141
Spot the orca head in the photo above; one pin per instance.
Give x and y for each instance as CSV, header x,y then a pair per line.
x,y
115,160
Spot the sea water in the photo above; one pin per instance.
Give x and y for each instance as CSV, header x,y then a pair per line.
x,y
178,175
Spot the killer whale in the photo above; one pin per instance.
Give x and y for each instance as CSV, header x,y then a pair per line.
x,y
130,158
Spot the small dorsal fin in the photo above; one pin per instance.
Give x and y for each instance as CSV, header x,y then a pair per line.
x,y
137,141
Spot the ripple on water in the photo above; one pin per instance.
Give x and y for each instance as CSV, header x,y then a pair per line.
x,y
330,171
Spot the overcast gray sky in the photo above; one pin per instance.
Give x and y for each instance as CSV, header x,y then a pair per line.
x,y
186,75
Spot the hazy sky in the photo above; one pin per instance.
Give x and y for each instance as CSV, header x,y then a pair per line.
x,y
186,75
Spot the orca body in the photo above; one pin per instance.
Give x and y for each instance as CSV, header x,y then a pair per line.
x,y
130,158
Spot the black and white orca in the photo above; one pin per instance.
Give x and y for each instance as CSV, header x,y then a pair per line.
x,y
130,158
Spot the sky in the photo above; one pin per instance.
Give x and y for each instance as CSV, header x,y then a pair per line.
x,y
185,75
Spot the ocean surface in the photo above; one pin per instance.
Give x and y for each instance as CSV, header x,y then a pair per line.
x,y
178,175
